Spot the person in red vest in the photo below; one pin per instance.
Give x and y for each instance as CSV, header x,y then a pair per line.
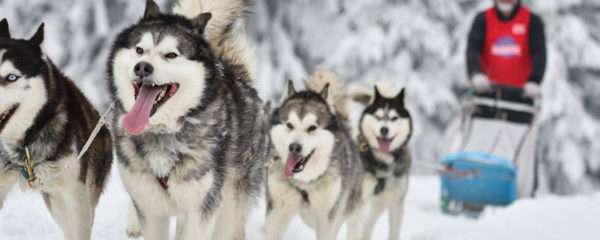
x,y
507,46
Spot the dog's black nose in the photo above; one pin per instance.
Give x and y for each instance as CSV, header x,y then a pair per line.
x,y
143,69
384,131
295,149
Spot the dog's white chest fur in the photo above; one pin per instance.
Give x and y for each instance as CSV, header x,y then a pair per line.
x,y
384,157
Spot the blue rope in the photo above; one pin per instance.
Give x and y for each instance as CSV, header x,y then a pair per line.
x,y
25,173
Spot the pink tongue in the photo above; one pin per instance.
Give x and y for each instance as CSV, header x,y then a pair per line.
x,y
384,145
138,118
288,170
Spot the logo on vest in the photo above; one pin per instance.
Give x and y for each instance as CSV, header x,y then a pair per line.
x,y
506,47
519,29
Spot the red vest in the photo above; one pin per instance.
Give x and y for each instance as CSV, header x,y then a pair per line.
x,y
506,59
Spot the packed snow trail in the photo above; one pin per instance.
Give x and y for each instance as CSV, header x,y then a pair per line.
x,y
25,217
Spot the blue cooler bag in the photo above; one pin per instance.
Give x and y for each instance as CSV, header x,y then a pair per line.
x,y
490,179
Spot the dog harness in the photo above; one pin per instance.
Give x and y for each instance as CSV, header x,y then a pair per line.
x,y
164,179
27,170
304,195
374,165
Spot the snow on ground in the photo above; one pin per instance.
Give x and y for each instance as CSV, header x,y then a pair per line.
x,y
25,217
549,217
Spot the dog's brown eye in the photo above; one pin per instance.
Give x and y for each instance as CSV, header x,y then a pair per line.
x,y
171,55
289,126
139,50
394,118
312,128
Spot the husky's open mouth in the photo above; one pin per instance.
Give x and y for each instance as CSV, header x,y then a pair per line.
x,y
295,164
384,144
148,98
6,115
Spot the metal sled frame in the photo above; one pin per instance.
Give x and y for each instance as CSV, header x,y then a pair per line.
x,y
492,181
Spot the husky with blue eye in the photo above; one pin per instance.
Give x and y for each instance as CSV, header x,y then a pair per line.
x,y
189,128
318,172
385,130
45,116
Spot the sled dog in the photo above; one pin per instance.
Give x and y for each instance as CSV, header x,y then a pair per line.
x,y
44,122
188,127
385,128
317,171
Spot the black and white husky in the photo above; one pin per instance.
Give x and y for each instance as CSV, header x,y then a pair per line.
x,y
318,172
188,128
42,112
385,129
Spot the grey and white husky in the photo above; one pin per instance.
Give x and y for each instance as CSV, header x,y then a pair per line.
x,y
318,172
189,129
385,129
45,116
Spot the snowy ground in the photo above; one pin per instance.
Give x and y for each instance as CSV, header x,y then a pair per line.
x,y
24,217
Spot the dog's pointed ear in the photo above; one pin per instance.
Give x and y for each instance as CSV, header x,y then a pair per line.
x,y
201,21
324,92
400,97
267,107
38,37
4,29
290,89
152,10
289,92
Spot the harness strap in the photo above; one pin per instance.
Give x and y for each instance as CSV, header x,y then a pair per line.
x,y
44,180
380,186
304,195
27,170
163,180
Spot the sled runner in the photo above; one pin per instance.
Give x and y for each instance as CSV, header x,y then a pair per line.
x,y
492,153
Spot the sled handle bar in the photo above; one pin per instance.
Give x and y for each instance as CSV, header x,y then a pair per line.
x,y
506,88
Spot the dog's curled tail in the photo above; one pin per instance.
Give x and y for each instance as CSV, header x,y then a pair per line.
x,y
337,89
365,95
224,31
361,94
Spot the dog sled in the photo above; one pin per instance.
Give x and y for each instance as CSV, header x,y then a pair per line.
x,y
491,159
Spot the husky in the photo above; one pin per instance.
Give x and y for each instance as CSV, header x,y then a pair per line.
x,y
44,123
385,128
188,127
318,172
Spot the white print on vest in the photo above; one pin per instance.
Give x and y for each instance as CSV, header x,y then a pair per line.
x,y
519,29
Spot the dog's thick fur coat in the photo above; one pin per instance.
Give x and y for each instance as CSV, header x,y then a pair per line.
x,y
325,184
385,129
202,155
51,119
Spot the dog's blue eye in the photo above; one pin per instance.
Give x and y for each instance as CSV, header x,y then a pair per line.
x,y
12,78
